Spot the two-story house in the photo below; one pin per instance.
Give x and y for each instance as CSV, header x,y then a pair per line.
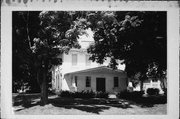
x,y
78,73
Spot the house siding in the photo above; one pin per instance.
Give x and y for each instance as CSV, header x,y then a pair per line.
x,y
81,63
109,84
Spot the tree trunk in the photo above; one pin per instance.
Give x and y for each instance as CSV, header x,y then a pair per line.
x,y
44,91
141,85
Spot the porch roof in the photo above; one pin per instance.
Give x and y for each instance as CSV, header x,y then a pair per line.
x,y
100,69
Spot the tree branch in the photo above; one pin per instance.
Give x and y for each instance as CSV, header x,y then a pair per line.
x,y
27,29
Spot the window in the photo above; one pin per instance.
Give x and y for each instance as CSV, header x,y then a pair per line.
x,y
76,80
116,82
88,81
74,59
88,62
57,80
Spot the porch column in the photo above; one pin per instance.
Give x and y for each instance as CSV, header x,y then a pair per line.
x,y
73,83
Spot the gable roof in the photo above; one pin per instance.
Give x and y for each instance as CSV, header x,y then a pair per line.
x,y
100,69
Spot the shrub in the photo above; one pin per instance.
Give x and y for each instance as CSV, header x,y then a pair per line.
x,y
152,91
84,94
137,97
137,93
66,94
124,94
165,91
102,94
130,95
26,102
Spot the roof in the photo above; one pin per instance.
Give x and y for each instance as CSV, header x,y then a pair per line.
x,y
100,69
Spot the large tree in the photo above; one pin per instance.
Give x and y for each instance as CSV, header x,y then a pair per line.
x,y
43,36
138,39
25,26
58,34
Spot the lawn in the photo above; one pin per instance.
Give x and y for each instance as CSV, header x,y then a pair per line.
x,y
77,106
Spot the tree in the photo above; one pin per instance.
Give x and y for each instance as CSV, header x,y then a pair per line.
x,y
56,33
59,33
137,38
24,27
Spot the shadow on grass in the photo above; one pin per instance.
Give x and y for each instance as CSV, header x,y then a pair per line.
x,y
94,105
26,100
87,108
149,101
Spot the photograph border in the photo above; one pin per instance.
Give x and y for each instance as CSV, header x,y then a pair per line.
x,y
172,9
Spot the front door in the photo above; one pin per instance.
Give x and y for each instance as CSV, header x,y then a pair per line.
x,y
100,84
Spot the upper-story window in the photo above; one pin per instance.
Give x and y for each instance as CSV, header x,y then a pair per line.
x,y
74,59
116,82
88,62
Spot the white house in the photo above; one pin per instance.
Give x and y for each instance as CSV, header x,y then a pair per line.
x,y
78,73
149,83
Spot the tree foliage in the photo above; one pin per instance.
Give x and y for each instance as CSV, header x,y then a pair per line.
x,y
38,39
137,38
58,33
